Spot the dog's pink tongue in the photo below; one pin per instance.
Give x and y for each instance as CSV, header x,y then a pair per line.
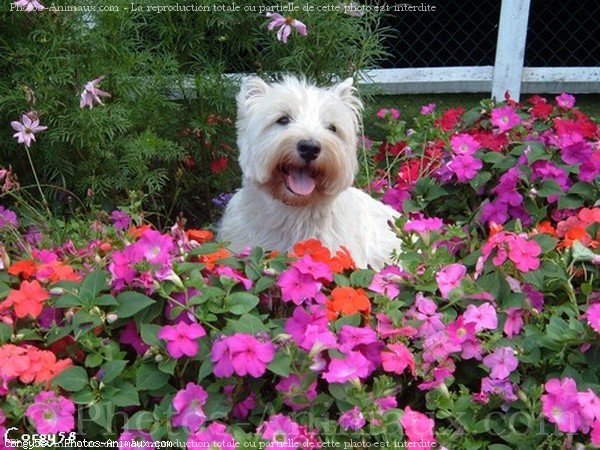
x,y
300,181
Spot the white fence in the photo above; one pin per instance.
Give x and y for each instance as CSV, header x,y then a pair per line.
x,y
507,73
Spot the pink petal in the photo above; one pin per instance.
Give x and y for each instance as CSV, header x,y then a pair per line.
x,y
283,33
18,126
299,26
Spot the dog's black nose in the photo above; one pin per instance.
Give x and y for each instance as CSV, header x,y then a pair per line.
x,y
309,150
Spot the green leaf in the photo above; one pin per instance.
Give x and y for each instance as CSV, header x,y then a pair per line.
x,y
149,333
93,360
248,324
141,420
206,369
131,302
126,396
241,302
547,242
72,379
6,332
570,201
361,278
216,407
481,179
93,284
112,369
106,300
263,284
585,190
281,364
149,378
67,301
102,413
549,188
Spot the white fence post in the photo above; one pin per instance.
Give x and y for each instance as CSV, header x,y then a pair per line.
x,y
510,48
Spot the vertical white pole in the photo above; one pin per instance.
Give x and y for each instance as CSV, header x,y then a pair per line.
x,y
510,48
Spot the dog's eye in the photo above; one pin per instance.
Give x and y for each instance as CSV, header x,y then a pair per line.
x,y
283,120
332,128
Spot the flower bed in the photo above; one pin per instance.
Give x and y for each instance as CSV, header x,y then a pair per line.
x,y
485,334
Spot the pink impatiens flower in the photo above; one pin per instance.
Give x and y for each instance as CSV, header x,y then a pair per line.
x,y
560,404
26,129
92,94
464,144
188,407
418,428
142,439
465,167
29,5
424,225
387,281
298,287
285,25
505,118
295,392
51,413
484,317
448,278
243,354
565,100
280,431
214,436
593,316
392,112
502,362
514,322
353,419
354,365
427,109
182,338
396,358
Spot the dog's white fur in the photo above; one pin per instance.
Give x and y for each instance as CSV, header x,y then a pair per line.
x,y
266,211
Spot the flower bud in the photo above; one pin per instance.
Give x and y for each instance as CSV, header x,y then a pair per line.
x,y
111,318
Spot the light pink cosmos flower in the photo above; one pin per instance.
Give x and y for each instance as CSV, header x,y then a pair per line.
x,y
448,278
593,316
353,419
502,362
484,317
464,144
188,407
505,118
427,109
213,436
182,338
285,25
396,358
51,413
26,129
560,404
565,100
418,428
29,5
243,354
92,94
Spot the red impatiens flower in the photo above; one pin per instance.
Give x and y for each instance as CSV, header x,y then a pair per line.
x,y
28,300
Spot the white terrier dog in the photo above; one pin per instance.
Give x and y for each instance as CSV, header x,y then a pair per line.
x,y
298,154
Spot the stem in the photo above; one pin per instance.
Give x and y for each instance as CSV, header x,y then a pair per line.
x,y
37,181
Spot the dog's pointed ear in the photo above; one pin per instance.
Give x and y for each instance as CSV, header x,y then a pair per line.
x,y
345,89
252,88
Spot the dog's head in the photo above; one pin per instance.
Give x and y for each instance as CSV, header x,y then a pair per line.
x,y
296,141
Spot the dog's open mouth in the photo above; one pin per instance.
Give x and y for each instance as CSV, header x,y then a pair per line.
x,y
299,181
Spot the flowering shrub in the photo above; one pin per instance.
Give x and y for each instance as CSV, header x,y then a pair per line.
x,y
484,334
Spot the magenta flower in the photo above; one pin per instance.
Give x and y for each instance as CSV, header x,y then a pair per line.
x,y
318,270
438,346
297,287
448,278
425,310
130,335
182,338
8,218
51,413
120,220
589,404
484,317
391,113
26,129
503,388
154,247
386,282
92,94
522,252
424,225
464,144
29,5
214,436
593,316
418,427
396,358
351,337
502,362
560,404
236,275
279,430
188,407
352,419
465,167
309,330
296,393
505,118
565,100
285,25
242,354
354,365
427,109
139,437
514,322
